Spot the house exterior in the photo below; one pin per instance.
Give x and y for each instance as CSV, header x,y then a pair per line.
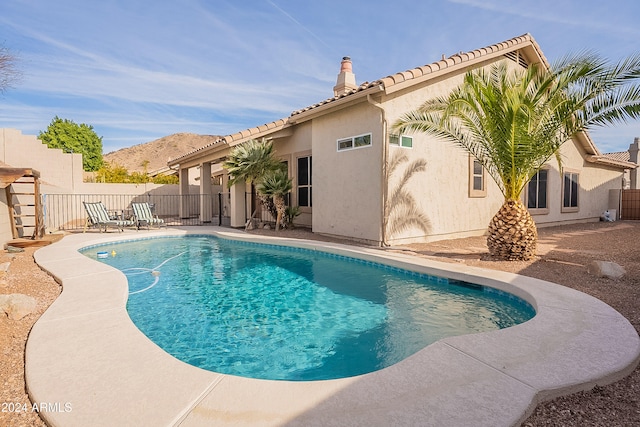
x,y
353,178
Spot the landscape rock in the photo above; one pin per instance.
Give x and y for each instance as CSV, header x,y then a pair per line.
x,y
606,269
17,306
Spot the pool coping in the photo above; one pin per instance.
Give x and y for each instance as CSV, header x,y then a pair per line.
x,y
86,363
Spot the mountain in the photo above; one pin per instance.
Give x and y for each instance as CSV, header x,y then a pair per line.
x,y
157,152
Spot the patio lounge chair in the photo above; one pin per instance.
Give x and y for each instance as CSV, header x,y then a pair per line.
x,y
99,217
144,217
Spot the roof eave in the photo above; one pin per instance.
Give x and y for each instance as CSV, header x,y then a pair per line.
x,y
600,159
262,131
197,153
337,104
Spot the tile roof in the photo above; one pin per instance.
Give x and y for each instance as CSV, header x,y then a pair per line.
x,y
386,82
622,156
425,70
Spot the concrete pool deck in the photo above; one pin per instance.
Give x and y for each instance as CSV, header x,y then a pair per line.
x,y
87,364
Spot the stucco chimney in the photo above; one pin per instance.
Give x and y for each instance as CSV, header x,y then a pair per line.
x,y
346,79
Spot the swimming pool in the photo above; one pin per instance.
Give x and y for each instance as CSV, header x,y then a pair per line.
x,y
271,312
86,350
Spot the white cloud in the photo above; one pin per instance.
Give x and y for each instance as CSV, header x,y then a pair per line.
x,y
135,71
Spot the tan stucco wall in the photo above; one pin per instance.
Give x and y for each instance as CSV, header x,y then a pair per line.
x,y
441,192
289,149
60,173
347,185
594,185
5,223
56,168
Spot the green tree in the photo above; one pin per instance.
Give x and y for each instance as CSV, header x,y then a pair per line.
x,y
165,179
276,184
115,173
112,173
514,120
73,138
139,178
250,161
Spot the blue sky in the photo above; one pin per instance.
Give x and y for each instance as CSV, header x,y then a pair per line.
x,y
140,70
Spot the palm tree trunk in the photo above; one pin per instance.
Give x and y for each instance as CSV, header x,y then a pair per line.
x,y
278,200
513,235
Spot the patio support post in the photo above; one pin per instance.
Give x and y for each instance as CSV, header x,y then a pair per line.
x,y
238,214
184,193
206,203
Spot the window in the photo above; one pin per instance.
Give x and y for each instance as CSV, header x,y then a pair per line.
x,y
354,142
304,181
401,140
476,179
537,192
570,192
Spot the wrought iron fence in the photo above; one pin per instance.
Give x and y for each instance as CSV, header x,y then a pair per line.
x,y
66,211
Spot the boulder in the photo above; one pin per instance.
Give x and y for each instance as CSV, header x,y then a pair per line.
x,y
17,306
606,269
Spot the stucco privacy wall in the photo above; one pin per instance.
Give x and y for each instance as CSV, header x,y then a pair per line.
x,y
60,173
57,169
5,223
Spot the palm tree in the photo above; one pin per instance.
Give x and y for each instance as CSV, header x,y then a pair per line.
x,y
514,120
250,161
276,184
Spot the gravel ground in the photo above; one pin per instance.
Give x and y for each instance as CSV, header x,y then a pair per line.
x,y
24,277
564,252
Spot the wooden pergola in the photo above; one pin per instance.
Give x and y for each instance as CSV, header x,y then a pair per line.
x,y
23,204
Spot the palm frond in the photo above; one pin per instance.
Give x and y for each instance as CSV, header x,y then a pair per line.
x,y
250,160
515,120
274,183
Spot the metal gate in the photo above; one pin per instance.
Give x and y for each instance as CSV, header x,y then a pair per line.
x,y
630,204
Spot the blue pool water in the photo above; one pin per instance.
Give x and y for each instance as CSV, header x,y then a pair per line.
x,y
263,311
